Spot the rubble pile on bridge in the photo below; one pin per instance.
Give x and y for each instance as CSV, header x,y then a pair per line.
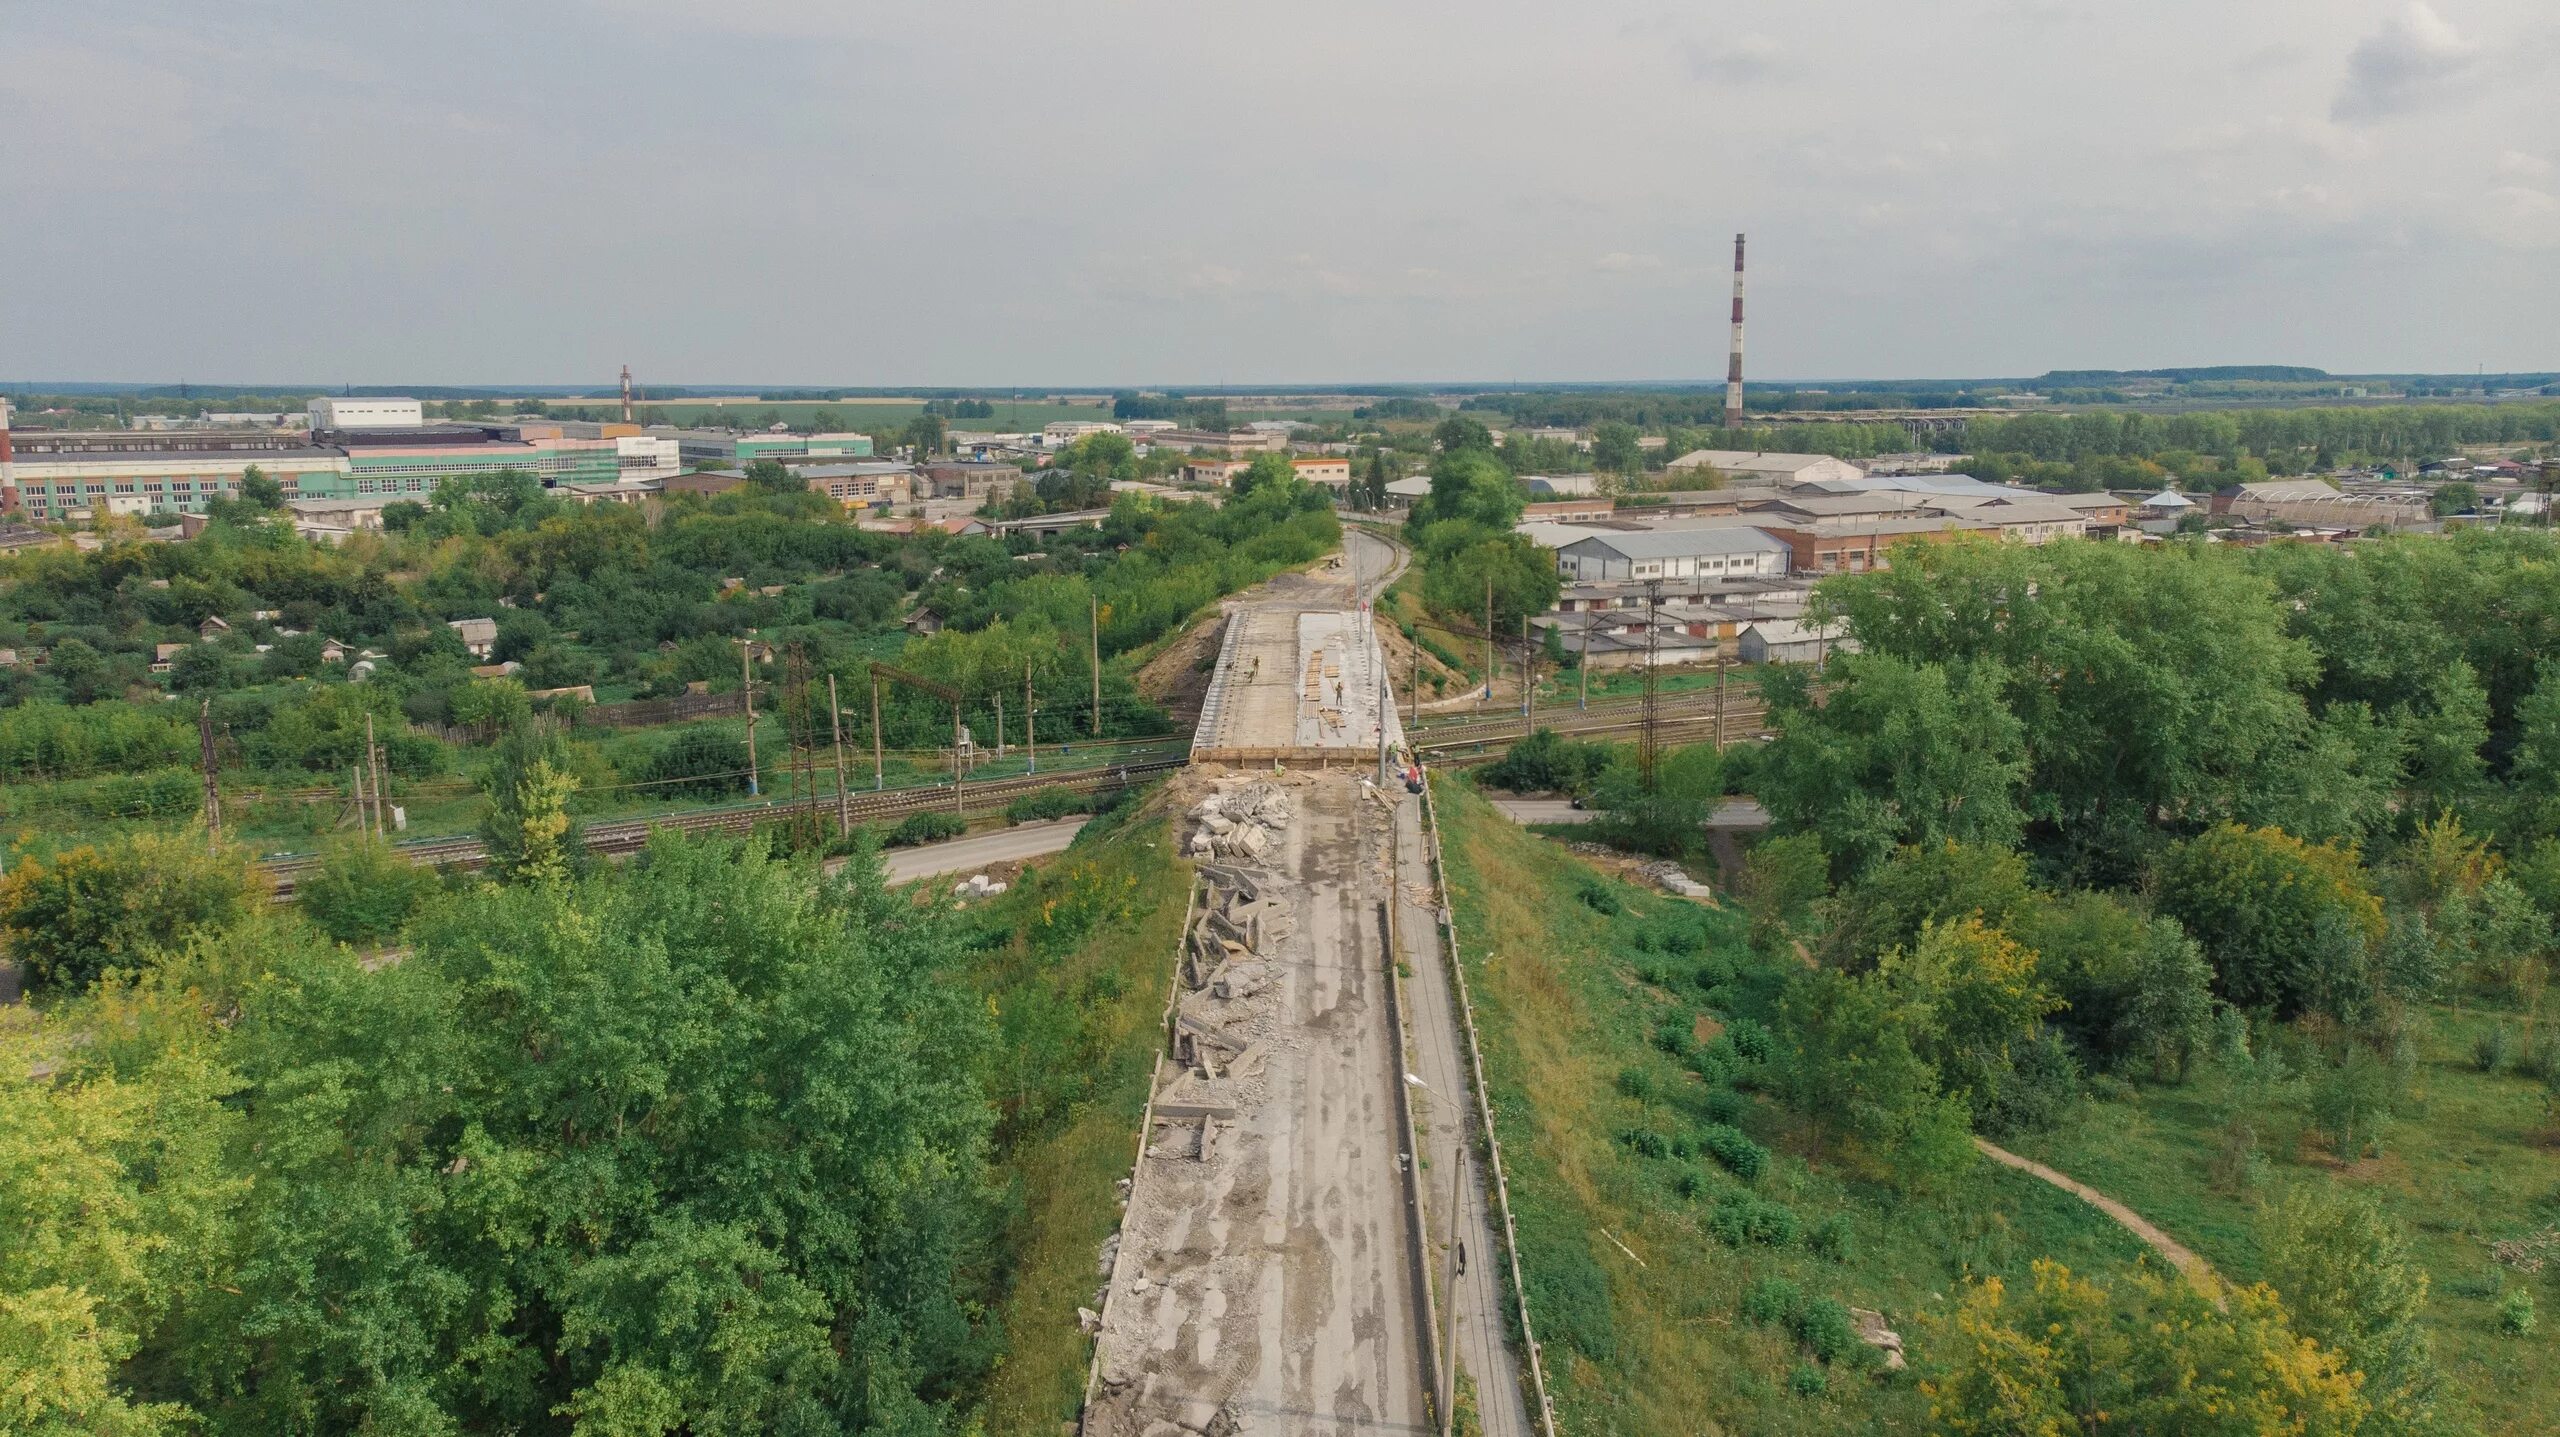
x,y
1224,1029
1243,819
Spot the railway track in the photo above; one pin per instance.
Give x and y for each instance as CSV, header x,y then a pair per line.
x,y
631,835
1742,716
1689,715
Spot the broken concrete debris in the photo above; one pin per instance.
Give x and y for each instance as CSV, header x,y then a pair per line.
x,y
1241,820
978,885
1873,1332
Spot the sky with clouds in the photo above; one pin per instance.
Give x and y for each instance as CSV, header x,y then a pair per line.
x,y
1043,192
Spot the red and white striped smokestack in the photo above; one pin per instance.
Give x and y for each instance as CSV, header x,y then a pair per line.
x,y
1733,368
626,394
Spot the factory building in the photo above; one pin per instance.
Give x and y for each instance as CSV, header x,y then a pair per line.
x,y
720,447
64,474
54,475
366,414
1722,552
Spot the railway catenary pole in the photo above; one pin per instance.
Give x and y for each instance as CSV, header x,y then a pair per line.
x,y
1488,638
747,704
835,724
1528,682
373,761
212,784
1582,667
878,770
1096,629
1030,720
1722,665
1648,741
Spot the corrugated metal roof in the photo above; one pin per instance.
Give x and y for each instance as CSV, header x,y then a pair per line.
x,y
1682,543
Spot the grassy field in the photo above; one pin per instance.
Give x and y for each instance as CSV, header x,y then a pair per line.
x,y
1637,1302
1072,1123
2469,1161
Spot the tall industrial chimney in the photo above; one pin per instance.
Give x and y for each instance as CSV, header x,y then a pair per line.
x,y
626,394
1733,369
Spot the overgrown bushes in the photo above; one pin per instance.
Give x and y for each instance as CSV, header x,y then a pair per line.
x,y
1048,803
927,826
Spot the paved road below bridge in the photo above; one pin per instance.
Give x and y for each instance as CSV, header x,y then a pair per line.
x,y
1733,813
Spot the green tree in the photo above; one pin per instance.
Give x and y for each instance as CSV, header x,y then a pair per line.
x,y
2137,992
1924,884
1895,754
260,490
116,907
2147,681
2149,1356
528,832
363,892
116,1196
1460,434
2345,1272
2446,733
1273,470
1854,1073
1669,819
1469,485
697,1148
926,433
492,705
2459,497
2286,923
1782,880
768,477
2534,772
1460,559
200,669
1974,1002
1616,447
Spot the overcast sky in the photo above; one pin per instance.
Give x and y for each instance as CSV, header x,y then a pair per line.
x,y
1043,192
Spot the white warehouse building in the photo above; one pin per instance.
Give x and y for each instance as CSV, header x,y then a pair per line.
x,y
1758,467
327,413
1734,552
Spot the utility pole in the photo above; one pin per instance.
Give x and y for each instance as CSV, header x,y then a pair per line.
x,y
1488,638
1097,665
1722,665
356,773
959,804
1582,670
373,761
1648,742
1449,1297
999,721
835,722
212,787
877,770
1413,680
1528,682
1030,720
747,700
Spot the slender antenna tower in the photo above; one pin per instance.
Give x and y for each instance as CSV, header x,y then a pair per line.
x,y
1733,367
626,394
